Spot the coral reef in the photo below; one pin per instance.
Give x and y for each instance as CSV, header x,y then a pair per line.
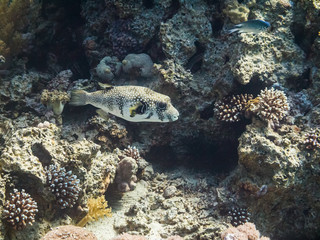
x,y
64,185
280,161
271,169
97,208
16,15
69,232
20,210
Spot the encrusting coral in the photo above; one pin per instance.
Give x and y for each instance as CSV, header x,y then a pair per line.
x,y
54,100
97,208
20,210
64,185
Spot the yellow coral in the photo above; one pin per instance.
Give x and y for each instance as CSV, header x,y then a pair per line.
x,y
15,17
98,207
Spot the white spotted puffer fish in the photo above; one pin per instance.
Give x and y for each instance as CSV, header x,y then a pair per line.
x,y
132,103
250,26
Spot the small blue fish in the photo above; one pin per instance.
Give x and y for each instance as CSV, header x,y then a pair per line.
x,y
250,26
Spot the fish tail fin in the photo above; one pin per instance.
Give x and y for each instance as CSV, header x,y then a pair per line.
x,y
78,98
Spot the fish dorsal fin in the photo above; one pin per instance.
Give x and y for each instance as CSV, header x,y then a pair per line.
x,y
105,86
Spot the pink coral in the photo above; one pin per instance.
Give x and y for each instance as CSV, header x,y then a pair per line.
x,y
245,231
127,236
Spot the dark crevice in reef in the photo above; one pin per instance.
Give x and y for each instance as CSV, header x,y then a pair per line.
x,y
195,62
299,83
173,9
59,41
303,37
148,4
217,25
207,112
42,154
154,49
197,153
253,87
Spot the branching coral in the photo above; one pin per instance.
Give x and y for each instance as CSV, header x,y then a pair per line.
x,y
132,152
272,106
312,140
14,18
231,109
98,207
20,210
64,185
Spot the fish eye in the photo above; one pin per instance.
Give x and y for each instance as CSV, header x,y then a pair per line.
x,y
142,108
162,105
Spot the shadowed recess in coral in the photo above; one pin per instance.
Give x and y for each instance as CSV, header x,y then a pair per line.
x,y
197,153
62,40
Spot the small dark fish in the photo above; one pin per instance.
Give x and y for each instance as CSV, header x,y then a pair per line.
x,y
250,26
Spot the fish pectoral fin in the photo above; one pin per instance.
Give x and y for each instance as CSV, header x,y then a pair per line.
x,y
134,108
105,86
102,114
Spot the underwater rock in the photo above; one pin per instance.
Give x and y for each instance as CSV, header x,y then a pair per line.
x,y
180,33
280,161
237,12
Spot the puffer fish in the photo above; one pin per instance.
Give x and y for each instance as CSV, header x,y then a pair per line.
x,y
250,26
132,103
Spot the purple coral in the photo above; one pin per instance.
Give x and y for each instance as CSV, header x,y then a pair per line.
x,y
126,174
